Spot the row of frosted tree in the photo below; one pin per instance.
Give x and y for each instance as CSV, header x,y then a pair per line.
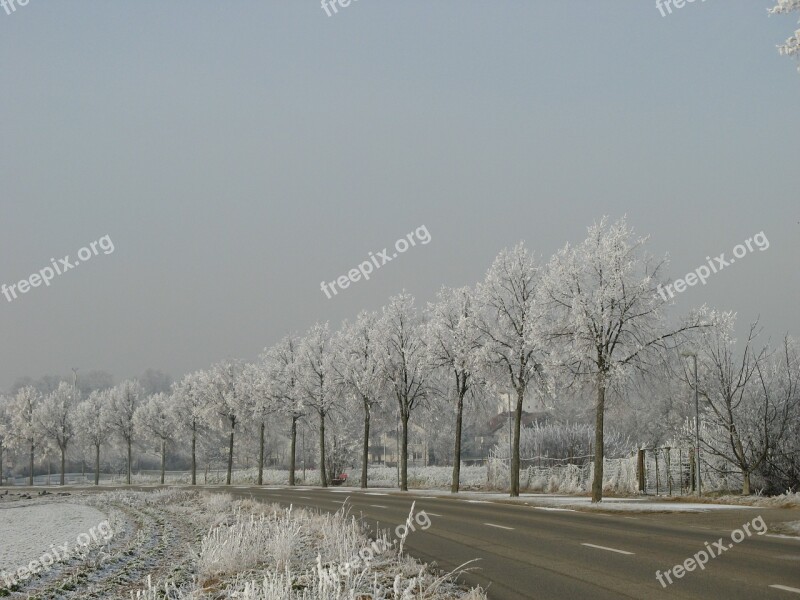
x,y
588,323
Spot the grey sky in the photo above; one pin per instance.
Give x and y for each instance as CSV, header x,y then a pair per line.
x,y
238,153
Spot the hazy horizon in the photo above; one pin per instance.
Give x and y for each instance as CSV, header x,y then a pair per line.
x,y
239,155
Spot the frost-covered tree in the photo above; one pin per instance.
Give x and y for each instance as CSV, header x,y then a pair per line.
x,y
24,431
92,418
155,419
358,370
791,47
281,366
220,385
342,446
454,342
125,399
404,364
606,314
259,402
511,321
55,418
317,382
779,382
748,395
5,432
190,410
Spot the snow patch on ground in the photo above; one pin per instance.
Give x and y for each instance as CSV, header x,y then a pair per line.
x,y
29,530
791,528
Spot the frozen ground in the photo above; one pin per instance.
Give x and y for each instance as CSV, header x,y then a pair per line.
x,y
180,544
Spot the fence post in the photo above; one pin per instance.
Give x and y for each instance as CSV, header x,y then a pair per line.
x,y
640,470
656,456
668,462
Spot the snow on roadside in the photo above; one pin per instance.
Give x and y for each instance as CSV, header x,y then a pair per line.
x,y
578,502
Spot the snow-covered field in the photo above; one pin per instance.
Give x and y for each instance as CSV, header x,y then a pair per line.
x,y
184,544
29,530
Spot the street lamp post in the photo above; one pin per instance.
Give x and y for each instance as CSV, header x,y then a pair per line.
x,y
696,422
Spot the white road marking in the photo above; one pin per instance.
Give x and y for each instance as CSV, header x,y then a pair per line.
x,y
499,526
785,588
784,537
432,514
375,494
478,501
378,505
339,491
429,497
306,497
554,509
606,548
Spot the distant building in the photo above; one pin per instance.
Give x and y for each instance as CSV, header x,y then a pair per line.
x,y
387,450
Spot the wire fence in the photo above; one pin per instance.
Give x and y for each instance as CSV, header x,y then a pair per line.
x,y
655,471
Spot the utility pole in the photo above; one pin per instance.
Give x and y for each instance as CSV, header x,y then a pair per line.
x,y
510,443
696,422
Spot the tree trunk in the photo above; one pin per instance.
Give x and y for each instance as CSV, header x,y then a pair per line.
x,y
261,457
323,476
597,483
293,458
515,462
365,451
163,459
457,450
130,461
746,483
63,462
30,473
194,456
230,453
97,464
404,455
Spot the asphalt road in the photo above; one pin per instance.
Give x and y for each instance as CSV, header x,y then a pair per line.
x,y
524,553
527,553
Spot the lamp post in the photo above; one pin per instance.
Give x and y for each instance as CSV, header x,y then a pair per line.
x,y
696,421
